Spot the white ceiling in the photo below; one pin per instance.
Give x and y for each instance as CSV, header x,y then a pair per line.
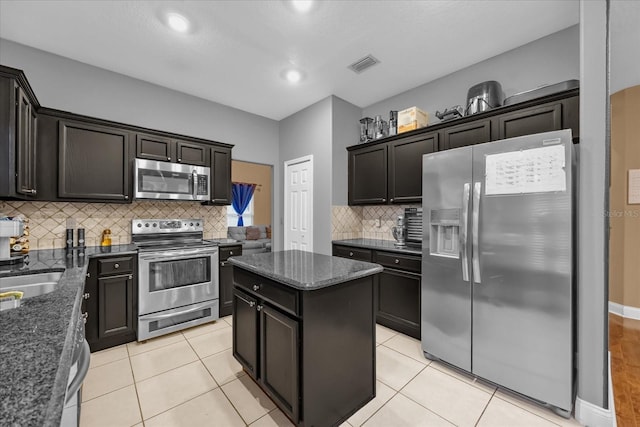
x,y
237,50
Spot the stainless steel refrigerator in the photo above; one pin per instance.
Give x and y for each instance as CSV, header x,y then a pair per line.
x,y
498,263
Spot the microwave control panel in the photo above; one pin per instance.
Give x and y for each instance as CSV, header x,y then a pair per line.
x,y
203,185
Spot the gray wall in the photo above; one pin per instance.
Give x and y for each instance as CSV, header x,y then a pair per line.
x,y
549,60
345,132
309,132
592,222
625,44
73,86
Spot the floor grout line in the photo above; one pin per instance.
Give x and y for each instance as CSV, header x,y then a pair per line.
x,y
135,387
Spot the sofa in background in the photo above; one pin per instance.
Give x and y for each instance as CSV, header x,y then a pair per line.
x,y
254,238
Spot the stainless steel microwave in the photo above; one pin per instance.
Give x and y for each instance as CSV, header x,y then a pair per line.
x,y
171,181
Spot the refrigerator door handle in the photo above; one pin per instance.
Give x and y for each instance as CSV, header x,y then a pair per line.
x,y
464,256
475,254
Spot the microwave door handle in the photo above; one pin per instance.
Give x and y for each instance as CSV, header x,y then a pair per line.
x,y
194,177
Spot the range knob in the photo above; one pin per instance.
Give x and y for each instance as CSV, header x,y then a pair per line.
x,y
139,224
191,224
146,224
155,224
198,224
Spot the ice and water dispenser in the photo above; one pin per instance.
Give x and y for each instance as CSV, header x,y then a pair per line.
x,y
445,232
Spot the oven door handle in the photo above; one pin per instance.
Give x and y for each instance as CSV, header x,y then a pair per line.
x,y
83,367
175,254
191,309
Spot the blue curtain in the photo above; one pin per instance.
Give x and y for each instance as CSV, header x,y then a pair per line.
x,y
241,194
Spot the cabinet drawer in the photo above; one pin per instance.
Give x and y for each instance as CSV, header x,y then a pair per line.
x,y
115,265
270,291
229,251
399,261
359,254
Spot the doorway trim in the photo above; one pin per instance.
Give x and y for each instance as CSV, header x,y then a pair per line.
x,y
287,164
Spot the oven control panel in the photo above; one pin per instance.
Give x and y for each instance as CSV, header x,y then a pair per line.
x,y
153,226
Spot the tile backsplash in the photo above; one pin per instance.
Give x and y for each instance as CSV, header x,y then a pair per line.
x,y
48,220
354,222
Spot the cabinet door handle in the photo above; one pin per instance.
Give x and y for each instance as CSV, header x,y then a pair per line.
x,y
85,315
259,308
116,266
256,287
397,261
384,200
131,277
179,160
223,263
391,200
169,158
250,303
86,296
350,253
230,252
126,197
88,274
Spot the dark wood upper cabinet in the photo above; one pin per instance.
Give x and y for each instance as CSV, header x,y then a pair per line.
x,y
26,133
466,134
165,149
544,118
94,162
368,175
389,172
153,147
370,183
192,154
18,133
405,166
221,176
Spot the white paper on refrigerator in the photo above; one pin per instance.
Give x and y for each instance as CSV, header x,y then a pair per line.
x,y
536,170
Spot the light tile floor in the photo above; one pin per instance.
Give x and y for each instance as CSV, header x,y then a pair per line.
x,y
190,378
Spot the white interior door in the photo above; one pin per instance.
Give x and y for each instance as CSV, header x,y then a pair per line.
x,y
298,204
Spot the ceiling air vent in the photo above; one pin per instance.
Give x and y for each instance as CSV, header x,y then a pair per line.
x,y
362,64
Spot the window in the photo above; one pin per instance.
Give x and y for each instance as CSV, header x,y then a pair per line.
x,y
247,216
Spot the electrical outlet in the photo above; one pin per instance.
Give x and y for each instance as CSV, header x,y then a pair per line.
x,y
378,222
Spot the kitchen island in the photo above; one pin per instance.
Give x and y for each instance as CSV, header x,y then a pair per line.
x,y
304,330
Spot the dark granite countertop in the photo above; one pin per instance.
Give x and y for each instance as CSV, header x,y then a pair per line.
x,y
305,270
37,338
385,245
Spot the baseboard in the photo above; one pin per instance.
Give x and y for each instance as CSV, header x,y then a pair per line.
x,y
624,310
591,415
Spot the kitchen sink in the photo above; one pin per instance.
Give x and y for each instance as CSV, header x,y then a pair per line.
x,y
31,284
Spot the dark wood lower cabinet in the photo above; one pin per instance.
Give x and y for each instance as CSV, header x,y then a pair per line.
x,y
225,274
398,301
111,306
397,289
311,352
245,331
279,338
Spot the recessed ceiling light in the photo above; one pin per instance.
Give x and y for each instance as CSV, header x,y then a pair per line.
x,y
302,6
293,76
178,22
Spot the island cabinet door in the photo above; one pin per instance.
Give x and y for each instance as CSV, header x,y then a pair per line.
x,y
279,359
245,332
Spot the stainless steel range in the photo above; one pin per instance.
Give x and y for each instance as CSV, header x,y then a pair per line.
x,y
178,275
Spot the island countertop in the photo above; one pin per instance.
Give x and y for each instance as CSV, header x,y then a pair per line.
x,y
305,270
